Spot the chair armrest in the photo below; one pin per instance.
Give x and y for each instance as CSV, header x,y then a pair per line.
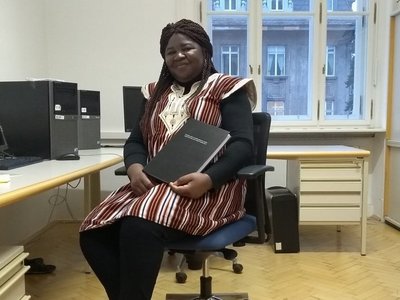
x,y
253,171
120,171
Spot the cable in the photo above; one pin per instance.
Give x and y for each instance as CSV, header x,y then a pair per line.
x,y
57,199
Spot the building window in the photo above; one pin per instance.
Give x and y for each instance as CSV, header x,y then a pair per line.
x,y
276,108
330,61
329,107
230,59
276,61
231,5
277,5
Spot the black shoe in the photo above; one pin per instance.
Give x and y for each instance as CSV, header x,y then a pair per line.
x,y
37,266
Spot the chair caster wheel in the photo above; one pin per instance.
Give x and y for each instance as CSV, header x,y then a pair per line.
x,y
237,268
180,277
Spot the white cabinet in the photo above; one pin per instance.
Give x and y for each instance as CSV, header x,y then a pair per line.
x,y
12,273
330,181
330,191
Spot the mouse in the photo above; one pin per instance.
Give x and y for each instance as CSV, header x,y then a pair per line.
x,y
69,156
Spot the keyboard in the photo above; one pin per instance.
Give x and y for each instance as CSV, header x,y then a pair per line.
x,y
9,163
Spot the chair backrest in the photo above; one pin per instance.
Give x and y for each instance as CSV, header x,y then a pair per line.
x,y
255,197
262,125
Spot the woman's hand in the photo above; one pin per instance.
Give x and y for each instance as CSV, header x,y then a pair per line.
x,y
192,185
140,183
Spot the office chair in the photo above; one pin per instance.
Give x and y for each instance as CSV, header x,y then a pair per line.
x,y
238,232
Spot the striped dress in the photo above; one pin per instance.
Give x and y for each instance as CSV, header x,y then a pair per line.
x,y
160,204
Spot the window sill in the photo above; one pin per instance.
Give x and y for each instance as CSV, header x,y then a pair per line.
x,y
325,130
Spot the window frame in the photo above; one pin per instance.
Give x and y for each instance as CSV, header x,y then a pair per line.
x,y
277,52
330,50
230,53
319,13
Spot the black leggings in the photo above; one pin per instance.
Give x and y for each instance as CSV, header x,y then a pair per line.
x,y
126,256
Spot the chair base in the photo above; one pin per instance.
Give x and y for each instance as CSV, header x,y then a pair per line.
x,y
226,296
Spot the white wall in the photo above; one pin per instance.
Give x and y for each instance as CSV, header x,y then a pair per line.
x,y
99,44
22,39
103,45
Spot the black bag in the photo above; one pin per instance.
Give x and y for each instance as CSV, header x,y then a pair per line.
x,y
283,215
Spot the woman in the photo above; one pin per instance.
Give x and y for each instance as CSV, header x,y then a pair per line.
x,y
123,239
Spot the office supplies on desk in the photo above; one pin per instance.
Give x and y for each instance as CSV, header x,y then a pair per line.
x,y
4,178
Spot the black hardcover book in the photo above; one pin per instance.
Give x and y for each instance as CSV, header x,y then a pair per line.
x,y
190,150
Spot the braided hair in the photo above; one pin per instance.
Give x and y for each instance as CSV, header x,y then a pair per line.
x,y
195,32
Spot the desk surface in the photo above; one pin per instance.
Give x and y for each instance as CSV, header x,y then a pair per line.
x,y
33,179
314,151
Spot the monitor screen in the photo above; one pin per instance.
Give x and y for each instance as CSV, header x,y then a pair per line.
x,y
3,142
133,105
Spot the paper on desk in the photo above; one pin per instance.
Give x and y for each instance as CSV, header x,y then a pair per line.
x,y
4,178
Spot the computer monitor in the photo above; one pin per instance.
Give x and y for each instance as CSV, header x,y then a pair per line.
x,y
133,105
3,141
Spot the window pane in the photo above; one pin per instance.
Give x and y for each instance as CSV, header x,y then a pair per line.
x,y
234,64
229,60
330,61
225,63
230,30
347,35
287,72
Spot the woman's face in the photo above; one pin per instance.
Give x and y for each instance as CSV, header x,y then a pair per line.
x,y
184,58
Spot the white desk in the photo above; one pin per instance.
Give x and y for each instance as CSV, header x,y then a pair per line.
x,y
36,178
331,183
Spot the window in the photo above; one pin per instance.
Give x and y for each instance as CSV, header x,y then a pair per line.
x,y
330,61
232,5
230,60
329,107
277,5
276,108
276,61
308,58
228,31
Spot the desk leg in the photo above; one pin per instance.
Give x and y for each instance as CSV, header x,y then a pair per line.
x,y
364,208
91,192
91,199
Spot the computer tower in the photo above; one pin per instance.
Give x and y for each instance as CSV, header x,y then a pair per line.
x,y
89,119
40,118
283,214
